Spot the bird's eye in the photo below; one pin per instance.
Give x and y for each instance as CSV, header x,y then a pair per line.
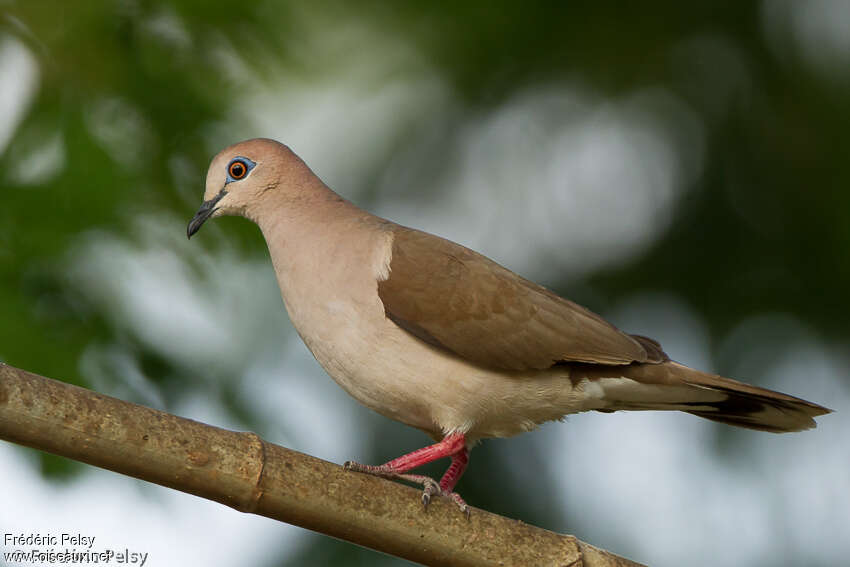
x,y
237,170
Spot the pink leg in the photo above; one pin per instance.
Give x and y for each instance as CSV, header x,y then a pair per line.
x,y
450,446
453,445
449,480
459,462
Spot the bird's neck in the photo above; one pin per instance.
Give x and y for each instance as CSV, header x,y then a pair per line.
x,y
305,205
313,236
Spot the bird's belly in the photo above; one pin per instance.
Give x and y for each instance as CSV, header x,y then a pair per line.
x,y
403,378
353,350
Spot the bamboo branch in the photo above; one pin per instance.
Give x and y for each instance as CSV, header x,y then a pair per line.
x,y
251,475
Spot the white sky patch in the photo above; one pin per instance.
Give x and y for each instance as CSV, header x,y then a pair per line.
x,y
167,27
122,130
816,31
111,368
121,513
814,491
307,409
43,162
18,84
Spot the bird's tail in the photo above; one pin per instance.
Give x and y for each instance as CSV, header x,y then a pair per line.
x,y
673,386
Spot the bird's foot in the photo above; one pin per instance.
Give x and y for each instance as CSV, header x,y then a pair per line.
x,y
431,487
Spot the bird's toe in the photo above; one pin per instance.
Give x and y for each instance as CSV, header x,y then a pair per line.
x,y
457,499
431,488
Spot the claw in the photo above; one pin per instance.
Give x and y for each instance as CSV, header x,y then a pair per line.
x,y
460,503
431,488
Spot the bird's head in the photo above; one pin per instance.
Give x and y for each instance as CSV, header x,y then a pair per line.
x,y
240,174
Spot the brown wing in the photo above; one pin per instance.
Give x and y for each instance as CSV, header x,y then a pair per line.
x,y
452,297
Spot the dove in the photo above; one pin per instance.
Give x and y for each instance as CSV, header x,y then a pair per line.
x,y
437,336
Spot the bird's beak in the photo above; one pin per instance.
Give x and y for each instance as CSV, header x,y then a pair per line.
x,y
207,209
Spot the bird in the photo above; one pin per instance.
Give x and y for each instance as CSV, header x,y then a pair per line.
x,y
439,337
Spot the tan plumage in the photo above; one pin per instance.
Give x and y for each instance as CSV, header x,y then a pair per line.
x,y
451,296
432,334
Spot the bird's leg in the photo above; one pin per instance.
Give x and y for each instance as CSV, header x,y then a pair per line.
x,y
455,471
452,445
449,480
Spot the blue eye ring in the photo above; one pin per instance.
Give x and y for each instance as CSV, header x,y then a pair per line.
x,y
239,168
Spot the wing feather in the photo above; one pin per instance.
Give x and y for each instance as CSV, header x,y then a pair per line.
x,y
455,298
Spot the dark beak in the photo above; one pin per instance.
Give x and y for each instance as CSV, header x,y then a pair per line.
x,y
207,208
